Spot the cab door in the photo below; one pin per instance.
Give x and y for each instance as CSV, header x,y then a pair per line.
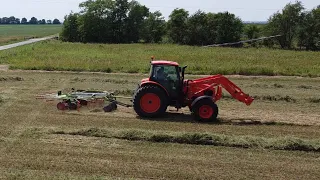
x,y
171,80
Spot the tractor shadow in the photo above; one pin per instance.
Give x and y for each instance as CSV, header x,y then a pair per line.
x,y
188,118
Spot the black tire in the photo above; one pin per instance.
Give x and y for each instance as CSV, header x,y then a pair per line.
x,y
111,107
156,91
204,115
73,106
83,102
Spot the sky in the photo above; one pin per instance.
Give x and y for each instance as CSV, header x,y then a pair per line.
x,y
247,10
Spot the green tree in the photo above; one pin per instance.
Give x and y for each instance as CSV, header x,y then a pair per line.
x,y
135,21
98,8
229,28
309,30
18,21
24,21
197,29
252,31
211,28
56,21
154,28
12,20
95,21
119,16
70,28
33,20
177,25
5,20
43,21
286,24
92,29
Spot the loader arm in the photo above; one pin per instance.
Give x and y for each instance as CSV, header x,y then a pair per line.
x,y
199,87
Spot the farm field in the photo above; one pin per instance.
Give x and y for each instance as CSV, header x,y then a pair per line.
x,y
135,58
277,137
15,33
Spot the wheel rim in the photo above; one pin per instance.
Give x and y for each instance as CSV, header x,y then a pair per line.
x,y
150,103
61,106
205,111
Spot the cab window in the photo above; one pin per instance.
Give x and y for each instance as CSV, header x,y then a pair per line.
x,y
169,72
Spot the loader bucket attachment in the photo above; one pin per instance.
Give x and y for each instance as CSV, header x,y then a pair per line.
x,y
249,100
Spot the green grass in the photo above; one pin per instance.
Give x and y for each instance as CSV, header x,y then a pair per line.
x,y
135,58
14,33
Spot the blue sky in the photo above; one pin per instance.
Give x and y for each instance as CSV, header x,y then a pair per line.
x,y
247,10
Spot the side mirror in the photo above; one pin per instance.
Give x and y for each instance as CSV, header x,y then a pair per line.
x,y
183,70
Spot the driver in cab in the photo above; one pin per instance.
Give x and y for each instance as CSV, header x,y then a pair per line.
x,y
161,75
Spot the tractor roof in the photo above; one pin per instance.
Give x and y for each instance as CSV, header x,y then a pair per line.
x,y
170,63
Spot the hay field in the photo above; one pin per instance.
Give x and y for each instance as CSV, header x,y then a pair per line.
x,y
15,33
134,58
275,138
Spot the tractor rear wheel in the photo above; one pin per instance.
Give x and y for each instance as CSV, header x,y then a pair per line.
x,y
150,102
205,110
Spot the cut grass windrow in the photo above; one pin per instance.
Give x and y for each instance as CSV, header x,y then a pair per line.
x,y
315,100
1,100
11,79
281,143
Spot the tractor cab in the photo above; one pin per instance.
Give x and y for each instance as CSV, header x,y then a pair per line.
x,y
167,74
163,88
170,76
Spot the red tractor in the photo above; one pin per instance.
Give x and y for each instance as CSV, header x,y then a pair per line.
x,y
166,86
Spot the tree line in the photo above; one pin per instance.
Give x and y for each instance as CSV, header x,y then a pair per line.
x,y
33,20
120,21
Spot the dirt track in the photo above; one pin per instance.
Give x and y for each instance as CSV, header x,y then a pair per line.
x,y
4,67
30,41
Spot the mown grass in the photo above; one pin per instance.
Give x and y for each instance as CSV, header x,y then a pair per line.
x,y
28,151
14,33
135,58
280,143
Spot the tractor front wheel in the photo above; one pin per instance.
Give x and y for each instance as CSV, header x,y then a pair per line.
x,y
205,110
150,102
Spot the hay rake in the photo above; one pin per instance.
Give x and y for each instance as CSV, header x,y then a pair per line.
x,y
74,100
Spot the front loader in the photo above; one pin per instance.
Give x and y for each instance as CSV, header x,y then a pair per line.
x,y
167,86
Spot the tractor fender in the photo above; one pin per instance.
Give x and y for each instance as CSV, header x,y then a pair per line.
x,y
200,98
152,83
